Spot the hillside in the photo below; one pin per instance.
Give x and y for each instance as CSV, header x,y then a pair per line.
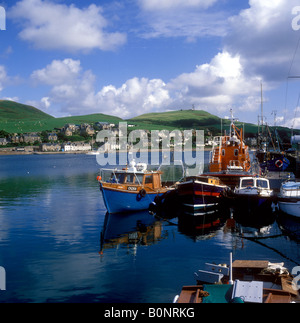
x,y
12,111
186,119
21,118
179,119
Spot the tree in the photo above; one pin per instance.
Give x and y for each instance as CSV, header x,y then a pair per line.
x,y
4,134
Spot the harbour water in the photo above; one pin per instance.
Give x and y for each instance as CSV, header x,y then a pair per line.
x,y
58,245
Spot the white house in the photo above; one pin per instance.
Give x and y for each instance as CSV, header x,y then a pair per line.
x,y
77,147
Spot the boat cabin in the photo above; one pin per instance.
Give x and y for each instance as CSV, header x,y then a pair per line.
x,y
229,152
290,189
256,182
205,179
131,181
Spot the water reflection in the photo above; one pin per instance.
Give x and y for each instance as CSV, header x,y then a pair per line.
x,y
201,227
256,220
289,225
51,220
131,230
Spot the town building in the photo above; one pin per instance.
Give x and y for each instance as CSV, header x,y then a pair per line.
x,y
50,147
76,147
52,137
3,142
31,138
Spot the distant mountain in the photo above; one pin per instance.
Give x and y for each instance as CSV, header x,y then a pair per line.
x,y
198,119
21,118
11,111
184,119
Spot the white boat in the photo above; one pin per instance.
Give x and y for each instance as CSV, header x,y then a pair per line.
x,y
254,186
289,198
93,152
253,195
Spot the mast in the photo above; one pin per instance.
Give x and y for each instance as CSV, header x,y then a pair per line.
x,y
262,106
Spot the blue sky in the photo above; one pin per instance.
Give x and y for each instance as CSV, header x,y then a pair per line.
x,y
131,57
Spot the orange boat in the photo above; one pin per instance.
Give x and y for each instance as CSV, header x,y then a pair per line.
x,y
229,159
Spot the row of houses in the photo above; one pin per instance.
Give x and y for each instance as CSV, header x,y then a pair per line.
x,y
30,138
85,128
68,130
66,147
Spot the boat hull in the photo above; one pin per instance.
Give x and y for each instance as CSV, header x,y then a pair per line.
x,y
117,201
290,206
198,198
276,161
252,204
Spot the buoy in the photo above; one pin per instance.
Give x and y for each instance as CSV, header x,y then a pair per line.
x,y
279,163
142,193
99,178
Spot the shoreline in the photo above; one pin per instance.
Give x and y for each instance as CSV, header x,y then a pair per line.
x,y
20,153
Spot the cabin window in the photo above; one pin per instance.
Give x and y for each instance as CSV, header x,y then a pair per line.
x,y
139,179
247,182
262,183
148,179
130,178
120,178
223,152
236,152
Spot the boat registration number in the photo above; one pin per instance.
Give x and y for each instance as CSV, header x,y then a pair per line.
x,y
131,188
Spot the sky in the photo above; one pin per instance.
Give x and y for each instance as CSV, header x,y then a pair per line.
x,y
130,57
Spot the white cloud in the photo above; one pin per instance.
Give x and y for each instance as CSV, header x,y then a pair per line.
x,y
134,97
73,90
181,18
50,26
46,102
159,5
215,86
263,36
70,85
58,72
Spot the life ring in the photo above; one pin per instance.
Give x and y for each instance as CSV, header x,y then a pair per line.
x,y
279,163
142,193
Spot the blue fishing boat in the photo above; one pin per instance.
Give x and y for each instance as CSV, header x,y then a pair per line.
x,y
130,189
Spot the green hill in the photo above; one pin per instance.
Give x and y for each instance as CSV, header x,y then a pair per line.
x,y
12,111
186,119
21,118
178,119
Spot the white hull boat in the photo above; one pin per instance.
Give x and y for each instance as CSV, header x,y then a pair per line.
x,y
289,198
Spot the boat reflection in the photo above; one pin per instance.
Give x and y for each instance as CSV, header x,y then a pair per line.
x,y
201,227
134,229
256,220
145,229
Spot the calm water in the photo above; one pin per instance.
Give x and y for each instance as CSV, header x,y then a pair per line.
x,y
58,245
